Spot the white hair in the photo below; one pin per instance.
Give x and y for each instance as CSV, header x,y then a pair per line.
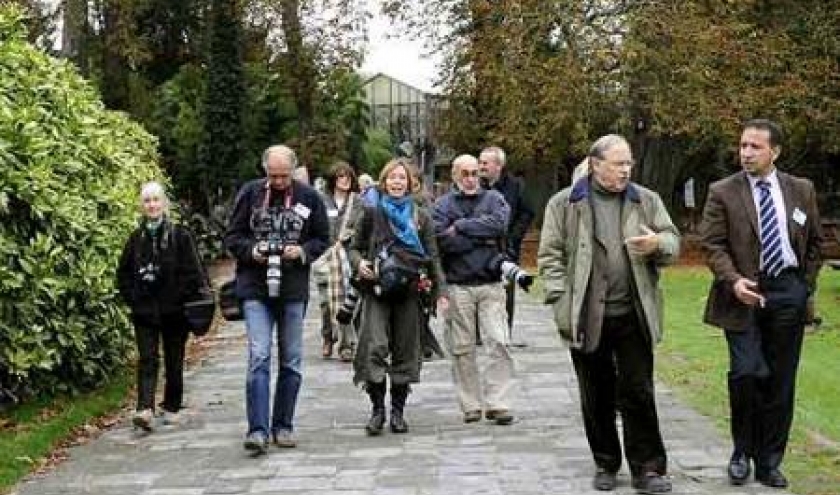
x,y
282,150
497,152
462,160
365,180
605,143
583,168
154,189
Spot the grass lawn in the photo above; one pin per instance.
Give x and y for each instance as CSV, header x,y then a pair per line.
x,y
30,433
693,360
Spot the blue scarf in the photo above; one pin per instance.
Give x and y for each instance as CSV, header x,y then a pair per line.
x,y
400,213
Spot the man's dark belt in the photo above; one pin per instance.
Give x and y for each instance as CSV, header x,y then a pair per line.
x,y
791,270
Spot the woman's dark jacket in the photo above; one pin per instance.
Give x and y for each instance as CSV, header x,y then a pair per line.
x,y
240,240
179,277
373,231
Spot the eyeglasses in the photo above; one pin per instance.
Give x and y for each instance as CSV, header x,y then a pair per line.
x,y
625,163
469,173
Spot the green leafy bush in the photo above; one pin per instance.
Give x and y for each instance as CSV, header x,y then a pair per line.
x,y
69,176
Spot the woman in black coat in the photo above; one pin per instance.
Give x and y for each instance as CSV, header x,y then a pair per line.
x,y
159,271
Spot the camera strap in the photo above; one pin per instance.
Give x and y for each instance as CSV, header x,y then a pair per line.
x,y
199,266
267,199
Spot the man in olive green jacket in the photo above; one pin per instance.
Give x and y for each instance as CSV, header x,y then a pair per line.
x,y
602,243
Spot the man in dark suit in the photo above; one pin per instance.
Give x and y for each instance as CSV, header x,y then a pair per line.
x,y
761,233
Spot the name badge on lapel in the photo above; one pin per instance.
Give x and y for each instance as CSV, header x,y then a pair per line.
x,y
799,216
302,210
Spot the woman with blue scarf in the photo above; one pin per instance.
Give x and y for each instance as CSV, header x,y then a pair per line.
x,y
395,260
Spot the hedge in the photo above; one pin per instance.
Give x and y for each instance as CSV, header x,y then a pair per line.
x,y
70,172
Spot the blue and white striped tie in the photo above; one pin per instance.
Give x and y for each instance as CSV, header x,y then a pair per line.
x,y
772,261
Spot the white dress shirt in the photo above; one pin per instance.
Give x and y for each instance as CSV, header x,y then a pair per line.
x,y
781,213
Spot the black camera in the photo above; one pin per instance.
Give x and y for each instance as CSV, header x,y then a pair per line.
x,y
347,310
276,228
511,271
149,274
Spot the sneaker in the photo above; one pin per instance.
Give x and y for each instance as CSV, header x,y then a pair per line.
x,y
256,443
604,480
651,483
284,439
346,355
168,418
500,416
143,419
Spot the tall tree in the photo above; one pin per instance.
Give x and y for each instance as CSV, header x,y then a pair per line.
x,y
221,149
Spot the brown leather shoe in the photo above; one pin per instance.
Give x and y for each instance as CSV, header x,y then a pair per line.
x,y
500,416
326,349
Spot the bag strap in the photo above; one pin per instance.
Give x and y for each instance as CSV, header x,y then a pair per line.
x,y
348,210
197,262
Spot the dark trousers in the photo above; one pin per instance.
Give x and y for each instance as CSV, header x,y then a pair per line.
x,y
763,360
618,377
148,337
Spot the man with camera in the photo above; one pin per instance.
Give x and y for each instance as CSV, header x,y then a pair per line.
x,y
470,226
277,228
494,175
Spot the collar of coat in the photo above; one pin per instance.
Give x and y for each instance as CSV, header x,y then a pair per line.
x,y
582,189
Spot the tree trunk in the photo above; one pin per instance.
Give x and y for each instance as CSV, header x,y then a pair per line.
x,y
114,68
660,166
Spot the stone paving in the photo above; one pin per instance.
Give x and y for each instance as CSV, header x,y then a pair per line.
x,y
543,452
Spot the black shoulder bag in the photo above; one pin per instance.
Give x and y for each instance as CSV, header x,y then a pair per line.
x,y
201,311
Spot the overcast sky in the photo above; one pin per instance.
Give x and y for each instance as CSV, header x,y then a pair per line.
x,y
397,57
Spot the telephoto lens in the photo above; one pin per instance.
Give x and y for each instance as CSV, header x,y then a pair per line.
x,y
274,275
512,271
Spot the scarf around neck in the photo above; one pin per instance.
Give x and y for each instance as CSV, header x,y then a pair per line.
x,y
400,214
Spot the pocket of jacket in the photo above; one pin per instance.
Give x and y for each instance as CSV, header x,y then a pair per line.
x,y
563,314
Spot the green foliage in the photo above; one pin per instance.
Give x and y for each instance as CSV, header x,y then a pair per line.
x,y
69,174
12,27
544,78
177,120
376,151
220,153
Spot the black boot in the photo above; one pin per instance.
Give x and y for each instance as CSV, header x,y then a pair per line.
x,y
376,391
399,393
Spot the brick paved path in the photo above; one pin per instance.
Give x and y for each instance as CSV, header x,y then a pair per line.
x,y
543,452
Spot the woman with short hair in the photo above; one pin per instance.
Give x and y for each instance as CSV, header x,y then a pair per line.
x,y
158,272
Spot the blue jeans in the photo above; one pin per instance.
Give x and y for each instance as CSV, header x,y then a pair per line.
x,y
260,319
